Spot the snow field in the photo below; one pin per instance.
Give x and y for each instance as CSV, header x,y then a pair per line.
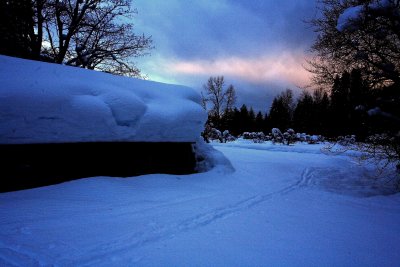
x,y
262,205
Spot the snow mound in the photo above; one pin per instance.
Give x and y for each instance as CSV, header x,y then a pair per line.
x,y
208,158
356,182
50,103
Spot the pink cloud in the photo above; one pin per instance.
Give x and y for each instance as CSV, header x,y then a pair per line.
x,y
283,67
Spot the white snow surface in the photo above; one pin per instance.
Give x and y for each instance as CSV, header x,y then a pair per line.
x,y
50,103
381,4
261,205
348,17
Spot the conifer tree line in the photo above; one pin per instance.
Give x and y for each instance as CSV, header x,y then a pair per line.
x,y
345,109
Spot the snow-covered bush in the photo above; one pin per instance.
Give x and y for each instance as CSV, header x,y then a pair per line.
x,y
246,135
257,137
346,140
315,139
227,137
302,137
311,139
215,134
212,134
289,136
381,150
277,136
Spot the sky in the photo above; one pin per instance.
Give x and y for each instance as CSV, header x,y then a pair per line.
x,y
259,46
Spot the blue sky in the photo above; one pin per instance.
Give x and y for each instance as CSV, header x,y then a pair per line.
x,y
259,46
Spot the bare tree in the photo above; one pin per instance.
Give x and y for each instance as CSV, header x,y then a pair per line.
x,y
357,34
92,34
221,99
230,98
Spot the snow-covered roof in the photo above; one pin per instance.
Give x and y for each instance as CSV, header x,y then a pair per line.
x,y
47,103
381,4
349,15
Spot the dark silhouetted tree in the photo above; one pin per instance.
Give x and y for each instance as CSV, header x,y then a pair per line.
x,y
340,105
303,115
368,41
267,125
281,111
259,122
16,23
92,34
321,116
235,127
218,100
251,127
230,98
244,119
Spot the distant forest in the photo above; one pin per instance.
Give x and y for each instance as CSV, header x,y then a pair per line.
x,y
355,86
340,111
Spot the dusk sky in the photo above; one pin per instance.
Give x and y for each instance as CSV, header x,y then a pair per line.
x,y
258,45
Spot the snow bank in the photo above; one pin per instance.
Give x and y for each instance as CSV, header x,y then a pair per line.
x,y
50,103
208,158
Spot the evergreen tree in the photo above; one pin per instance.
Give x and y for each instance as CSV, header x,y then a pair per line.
x,y
358,101
251,121
303,119
236,128
266,126
349,101
340,105
281,111
227,122
244,119
16,25
259,122
321,117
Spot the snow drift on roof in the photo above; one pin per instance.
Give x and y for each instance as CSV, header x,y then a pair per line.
x,y
352,15
46,103
348,17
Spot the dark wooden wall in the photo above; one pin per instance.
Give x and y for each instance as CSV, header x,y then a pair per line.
x,y
31,165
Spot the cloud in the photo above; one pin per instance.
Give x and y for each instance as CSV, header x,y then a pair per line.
x,y
205,29
265,69
259,46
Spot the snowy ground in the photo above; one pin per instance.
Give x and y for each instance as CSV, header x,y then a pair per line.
x,y
280,206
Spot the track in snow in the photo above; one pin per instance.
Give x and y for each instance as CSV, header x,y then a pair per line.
x,y
129,244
